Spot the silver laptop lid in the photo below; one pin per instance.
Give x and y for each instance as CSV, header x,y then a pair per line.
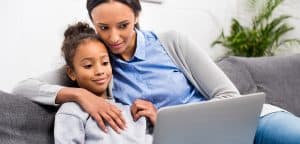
x,y
224,121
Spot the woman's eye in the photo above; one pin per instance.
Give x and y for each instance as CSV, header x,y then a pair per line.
x,y
103,27
123,26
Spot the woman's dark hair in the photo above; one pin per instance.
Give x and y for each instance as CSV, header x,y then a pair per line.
x,y
75,35
133,4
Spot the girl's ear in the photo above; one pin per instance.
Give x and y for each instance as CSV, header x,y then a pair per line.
x,y
71,73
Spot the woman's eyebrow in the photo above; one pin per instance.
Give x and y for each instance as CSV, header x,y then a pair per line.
x,y
102,24
124,21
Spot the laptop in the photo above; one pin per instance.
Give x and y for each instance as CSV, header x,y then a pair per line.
x,y
224,121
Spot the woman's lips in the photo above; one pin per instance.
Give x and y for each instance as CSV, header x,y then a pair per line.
x,y
116,46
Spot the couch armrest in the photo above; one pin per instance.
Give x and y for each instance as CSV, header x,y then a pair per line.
x,y
22,121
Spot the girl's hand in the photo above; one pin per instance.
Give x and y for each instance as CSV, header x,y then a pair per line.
x,y
101,110
144,108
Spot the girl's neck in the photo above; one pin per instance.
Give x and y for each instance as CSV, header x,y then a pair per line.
x,y
103,95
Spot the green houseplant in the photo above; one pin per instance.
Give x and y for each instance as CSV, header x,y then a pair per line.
x,y
262,37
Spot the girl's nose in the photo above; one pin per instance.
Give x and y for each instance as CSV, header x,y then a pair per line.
x,y
99,70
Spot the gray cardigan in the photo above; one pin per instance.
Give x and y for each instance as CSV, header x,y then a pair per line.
x,y
194,62
74,125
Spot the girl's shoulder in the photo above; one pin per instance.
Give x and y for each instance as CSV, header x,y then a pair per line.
x,y
72,109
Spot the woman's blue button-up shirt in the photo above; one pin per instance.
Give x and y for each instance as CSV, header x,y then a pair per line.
x,y
151,75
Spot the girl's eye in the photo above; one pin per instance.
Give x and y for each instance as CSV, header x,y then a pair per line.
x,y
87,66
123,26
105,63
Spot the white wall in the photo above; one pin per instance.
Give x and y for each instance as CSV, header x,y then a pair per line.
x,y
289,7
202,20
32,30
31,34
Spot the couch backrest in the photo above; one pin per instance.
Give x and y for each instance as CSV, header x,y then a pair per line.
x,y
25,122
277,76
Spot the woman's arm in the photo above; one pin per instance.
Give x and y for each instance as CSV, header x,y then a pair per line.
x,y
45,88
210,79
197,66
141,108
54,88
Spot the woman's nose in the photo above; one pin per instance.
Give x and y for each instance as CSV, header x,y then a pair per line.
x,y
114,36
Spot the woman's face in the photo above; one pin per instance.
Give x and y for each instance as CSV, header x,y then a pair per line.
x,y
91,67
114,23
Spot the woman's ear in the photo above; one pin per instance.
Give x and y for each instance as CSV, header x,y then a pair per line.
x,y
71,73
136,20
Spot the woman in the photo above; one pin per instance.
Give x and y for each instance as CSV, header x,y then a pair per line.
x,y
160,69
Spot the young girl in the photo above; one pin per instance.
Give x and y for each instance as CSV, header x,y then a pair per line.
x,y
88,64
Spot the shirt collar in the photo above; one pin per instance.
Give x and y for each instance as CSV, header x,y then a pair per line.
x,y
140,51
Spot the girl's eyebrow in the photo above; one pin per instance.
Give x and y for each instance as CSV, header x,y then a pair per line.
x,y
91,59
104,56
86,58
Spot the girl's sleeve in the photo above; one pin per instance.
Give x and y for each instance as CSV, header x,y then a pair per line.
x,y
44,88
68,129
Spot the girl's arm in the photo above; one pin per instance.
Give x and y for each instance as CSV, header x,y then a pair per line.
x,y
70,124
68,129
53,88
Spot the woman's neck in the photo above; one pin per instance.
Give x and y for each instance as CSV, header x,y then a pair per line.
x,y
129,52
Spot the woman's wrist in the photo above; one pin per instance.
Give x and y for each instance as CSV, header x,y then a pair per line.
x,y
68,94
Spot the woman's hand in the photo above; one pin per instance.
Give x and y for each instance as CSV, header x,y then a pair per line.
x,y
144,108
99,109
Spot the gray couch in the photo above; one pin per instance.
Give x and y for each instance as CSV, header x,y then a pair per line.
x,y
25,122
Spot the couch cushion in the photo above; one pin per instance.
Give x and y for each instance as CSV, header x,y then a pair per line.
x,y
25,122
277,76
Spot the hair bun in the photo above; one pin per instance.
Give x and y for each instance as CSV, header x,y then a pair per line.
x,y
77,29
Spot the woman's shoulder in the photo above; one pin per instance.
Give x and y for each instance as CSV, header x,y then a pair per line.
x,y
171,36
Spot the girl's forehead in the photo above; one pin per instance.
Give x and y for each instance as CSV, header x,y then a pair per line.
x,y
92,47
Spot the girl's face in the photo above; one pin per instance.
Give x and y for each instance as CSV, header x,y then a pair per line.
x,y
91,67
114,23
